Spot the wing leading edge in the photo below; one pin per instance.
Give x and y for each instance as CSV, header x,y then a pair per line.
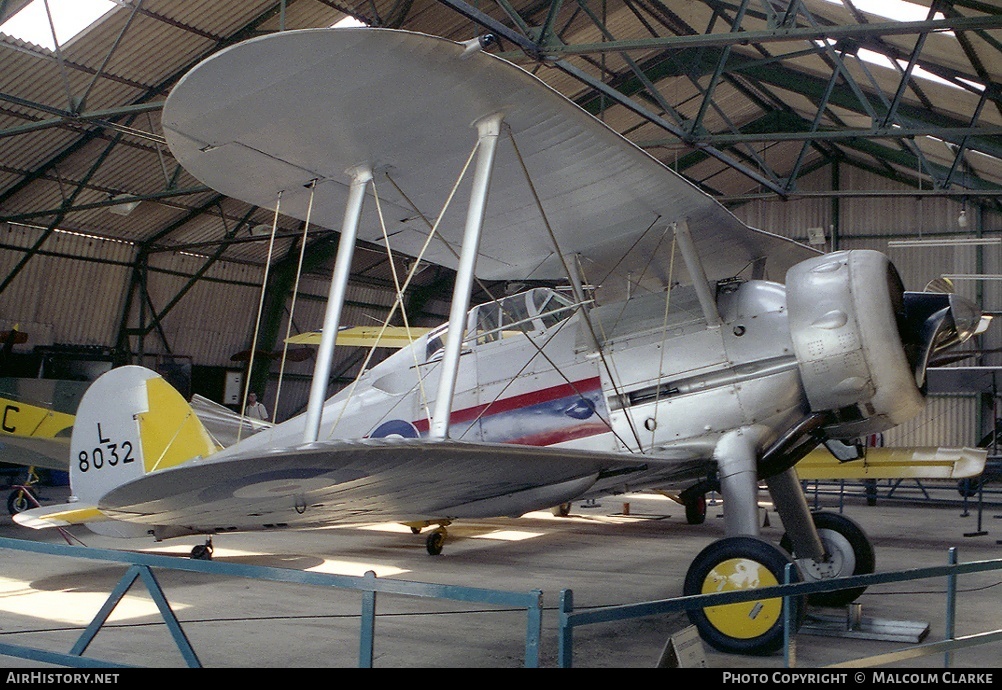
x,y
405,104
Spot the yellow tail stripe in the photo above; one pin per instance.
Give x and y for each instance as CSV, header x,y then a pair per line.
x,y
170,432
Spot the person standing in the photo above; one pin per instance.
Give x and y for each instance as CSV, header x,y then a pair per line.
x,y
255,409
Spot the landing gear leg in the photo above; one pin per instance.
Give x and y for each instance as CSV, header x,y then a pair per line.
x,y
791,504
737,463
847,552
741,560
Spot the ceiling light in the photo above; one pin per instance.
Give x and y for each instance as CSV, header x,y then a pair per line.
x,y
972,276
947,242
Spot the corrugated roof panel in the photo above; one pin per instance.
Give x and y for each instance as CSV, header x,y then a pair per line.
x,y
218,18
314,13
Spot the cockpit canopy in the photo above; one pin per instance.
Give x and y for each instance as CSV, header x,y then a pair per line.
x,y
527,312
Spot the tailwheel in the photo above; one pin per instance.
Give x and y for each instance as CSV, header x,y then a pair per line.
x,y
435,541
737,563
848,552
202,552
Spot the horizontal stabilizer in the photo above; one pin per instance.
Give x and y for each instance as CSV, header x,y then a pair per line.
x,y
61,515
896,463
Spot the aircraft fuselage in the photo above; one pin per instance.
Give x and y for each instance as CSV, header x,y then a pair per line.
x,y
647,376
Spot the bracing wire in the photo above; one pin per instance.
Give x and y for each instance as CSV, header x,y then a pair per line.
x,y
292,306
556,246
664,338
257,322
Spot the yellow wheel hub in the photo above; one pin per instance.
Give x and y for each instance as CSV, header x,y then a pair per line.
x,y
747,619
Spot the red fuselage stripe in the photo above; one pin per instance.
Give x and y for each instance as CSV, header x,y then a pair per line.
x,y
517,402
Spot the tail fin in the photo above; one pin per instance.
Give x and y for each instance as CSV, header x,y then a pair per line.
x,y
130,422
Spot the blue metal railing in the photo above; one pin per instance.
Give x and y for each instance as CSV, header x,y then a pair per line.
x,y
369,585
141,565
570,619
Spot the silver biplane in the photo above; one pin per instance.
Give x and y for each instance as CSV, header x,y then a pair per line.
x,y
693,373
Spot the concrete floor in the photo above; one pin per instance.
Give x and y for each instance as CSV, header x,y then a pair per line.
x,y
609,553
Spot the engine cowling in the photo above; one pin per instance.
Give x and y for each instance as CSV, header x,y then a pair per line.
x,y
846,310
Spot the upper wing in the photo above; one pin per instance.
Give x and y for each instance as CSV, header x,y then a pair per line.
x,y
272,114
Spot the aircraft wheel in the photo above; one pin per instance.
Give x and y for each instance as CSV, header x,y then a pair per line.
x,y
849,553
20,500
736,563
562,510
969,488
201,552
435,542
695,510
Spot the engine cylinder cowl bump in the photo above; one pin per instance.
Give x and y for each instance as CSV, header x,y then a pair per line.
x,y
844,309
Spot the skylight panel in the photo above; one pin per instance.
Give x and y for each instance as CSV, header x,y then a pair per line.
x,y
70,18
348,21
897,10
881,60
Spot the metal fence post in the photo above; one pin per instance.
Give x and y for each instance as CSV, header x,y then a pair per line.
x,y
951,604
368,631
565,642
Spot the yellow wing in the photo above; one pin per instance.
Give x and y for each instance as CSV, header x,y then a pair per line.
x,y
896,463
366,336
33,435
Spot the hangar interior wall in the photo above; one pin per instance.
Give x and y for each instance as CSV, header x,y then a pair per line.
x,y
73,291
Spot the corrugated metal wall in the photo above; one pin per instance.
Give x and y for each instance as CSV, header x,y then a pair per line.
x,y
73,288
946,421
212,321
